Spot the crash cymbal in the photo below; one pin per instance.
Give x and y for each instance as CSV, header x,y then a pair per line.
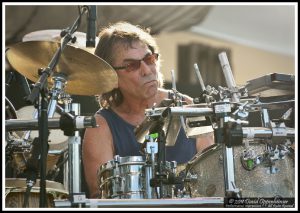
x,y
54,35
87,74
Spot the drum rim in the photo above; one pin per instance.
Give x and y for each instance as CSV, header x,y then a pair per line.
x,y
127,160
17,184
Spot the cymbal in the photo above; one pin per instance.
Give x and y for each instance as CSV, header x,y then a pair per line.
x,y
54,35
87,74
170,125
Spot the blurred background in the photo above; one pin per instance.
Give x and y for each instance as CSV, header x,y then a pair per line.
x,y
258,38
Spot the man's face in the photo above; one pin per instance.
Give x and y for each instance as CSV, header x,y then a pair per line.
x,y
139,80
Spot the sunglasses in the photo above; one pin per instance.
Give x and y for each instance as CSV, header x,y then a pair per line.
x,y
136,64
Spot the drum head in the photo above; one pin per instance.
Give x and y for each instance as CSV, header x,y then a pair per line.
x,y
15,189
58,141
266,179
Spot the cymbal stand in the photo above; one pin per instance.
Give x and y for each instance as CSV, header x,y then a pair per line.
x,y
150,150
32,162
39,96
73,168
159,176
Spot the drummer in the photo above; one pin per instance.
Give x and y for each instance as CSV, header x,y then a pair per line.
x,y
134,55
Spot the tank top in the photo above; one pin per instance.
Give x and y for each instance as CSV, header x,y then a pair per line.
x,y
125,142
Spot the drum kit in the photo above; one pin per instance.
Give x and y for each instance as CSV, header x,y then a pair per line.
x,y
76,67
243,162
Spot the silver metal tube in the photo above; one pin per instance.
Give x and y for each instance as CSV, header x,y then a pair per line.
x,y
66,171
74,143
263,132
257,132
19,125
265,118
173,80
228,76
79,122
227,70
178,111
199,77
148,177
229,169
52,108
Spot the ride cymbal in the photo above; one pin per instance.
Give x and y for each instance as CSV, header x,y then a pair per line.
x,y
87,74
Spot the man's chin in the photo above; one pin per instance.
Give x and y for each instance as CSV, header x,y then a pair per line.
x,y
152,90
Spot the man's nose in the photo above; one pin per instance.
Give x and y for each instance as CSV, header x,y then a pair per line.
x,y
145,68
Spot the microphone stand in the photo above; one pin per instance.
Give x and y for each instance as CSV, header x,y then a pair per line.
x,y
39,96
223,134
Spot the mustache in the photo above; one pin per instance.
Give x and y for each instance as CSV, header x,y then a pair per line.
x,y
149,80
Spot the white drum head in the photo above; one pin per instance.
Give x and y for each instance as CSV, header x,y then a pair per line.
x,y
58,141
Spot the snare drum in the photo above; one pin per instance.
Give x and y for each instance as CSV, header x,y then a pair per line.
x,y
15,189
122,178
129,178
259,181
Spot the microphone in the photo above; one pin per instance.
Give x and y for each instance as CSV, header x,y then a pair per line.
x,y
228,76
91,26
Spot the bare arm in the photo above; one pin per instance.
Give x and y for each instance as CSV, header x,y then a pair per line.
x,y
97,149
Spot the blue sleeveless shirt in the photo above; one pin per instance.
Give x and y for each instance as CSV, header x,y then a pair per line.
x,y
125,142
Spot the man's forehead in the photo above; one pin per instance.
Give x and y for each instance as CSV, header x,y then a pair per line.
x,y
127,46
125,50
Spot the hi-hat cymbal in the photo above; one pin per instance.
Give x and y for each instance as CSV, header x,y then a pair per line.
x,y
54,35
87,74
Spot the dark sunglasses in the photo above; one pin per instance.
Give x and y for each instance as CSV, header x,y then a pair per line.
x,y
136,64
